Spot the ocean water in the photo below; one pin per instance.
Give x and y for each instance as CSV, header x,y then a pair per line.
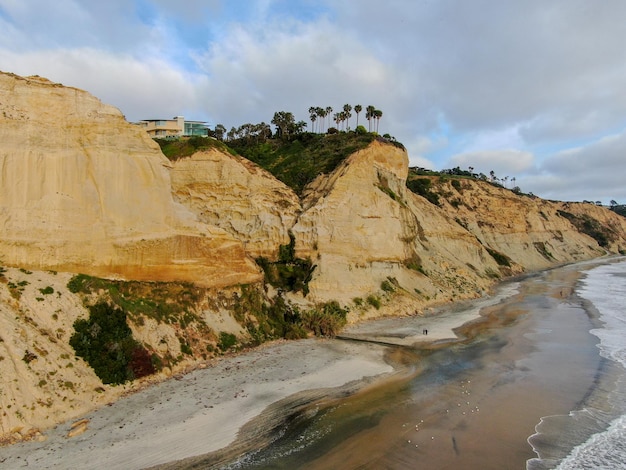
x,y
594,435
554,363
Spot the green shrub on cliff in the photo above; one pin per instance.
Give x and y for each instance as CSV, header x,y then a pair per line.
x,y
175,149
289,273
423,187
325,320
501,259
591,227
106,343
296,162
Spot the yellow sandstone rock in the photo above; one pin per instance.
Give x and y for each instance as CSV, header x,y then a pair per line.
x,y
83,190
236,195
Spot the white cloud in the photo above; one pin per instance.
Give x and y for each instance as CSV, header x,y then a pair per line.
x,y
488,63
593,172
290,67
148,89
509,79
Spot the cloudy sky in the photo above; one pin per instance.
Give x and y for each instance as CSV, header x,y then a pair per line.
x,y
531,89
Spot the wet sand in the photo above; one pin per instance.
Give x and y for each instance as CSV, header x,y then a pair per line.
x,y
205,412
474,405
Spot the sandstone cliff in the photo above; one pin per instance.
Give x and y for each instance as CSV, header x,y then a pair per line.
x,y
529,231
234,194
363,227
83,190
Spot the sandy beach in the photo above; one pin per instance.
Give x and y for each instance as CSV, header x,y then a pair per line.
x,y
206,411
203,411
472,404
199,412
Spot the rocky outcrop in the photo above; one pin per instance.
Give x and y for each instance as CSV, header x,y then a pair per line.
x,y
83,190
236,195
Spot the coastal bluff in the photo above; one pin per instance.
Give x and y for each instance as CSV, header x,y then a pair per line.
x,y
82,190
179,244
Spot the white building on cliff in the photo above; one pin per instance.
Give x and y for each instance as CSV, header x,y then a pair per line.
x,y
175,127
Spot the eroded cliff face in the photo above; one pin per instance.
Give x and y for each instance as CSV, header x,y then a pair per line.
x,y
43,381
528,231
236,195
363,227
83,190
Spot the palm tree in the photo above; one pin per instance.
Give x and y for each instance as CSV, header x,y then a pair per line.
x,y
328,110
377,114
369,115
313,116
337,119
347,114
357,109
321,114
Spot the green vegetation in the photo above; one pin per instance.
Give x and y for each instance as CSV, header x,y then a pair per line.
x,y
276,318
501,259
289,272
543,250
619,209
175,149
591,227
227,341
173,303
297,161
326,320
29,357
16,289
423,187
292,155
47,290
106,343
374,301
456,175
389,285
165,302
270,319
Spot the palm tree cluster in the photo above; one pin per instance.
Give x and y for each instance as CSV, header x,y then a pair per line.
x,y
287,126
341,118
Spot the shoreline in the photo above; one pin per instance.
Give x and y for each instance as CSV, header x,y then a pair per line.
x,y
533,358
211,422
205,410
